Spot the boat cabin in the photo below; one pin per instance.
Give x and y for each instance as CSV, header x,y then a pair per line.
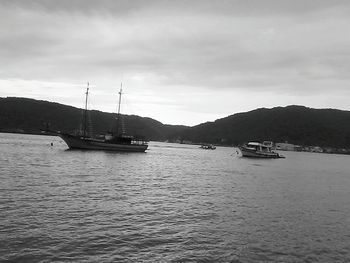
x,y
257,146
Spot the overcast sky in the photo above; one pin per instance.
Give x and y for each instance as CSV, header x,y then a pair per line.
x,y
181,62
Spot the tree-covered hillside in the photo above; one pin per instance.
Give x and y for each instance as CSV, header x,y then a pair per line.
x,y
31,116
295,124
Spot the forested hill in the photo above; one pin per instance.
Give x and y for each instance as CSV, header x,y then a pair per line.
x,y
31,116
295,124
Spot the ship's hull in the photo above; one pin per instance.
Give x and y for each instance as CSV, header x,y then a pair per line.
x,y
258,154
75,142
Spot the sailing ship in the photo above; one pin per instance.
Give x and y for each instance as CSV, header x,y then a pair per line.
x,y
112,141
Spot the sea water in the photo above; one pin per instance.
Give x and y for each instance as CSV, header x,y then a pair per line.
x,y
174,203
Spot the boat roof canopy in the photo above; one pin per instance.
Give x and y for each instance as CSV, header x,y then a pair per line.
x,y
254,143
258,144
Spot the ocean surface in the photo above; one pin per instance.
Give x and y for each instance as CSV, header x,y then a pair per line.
x,y
174,203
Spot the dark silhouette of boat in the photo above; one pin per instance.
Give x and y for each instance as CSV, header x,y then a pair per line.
x,y
208,147
112,141
117,143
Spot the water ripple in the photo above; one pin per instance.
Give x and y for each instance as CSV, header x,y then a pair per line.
x,y
175,203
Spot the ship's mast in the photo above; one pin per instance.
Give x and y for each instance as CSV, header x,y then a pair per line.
x,y
120,100
85,111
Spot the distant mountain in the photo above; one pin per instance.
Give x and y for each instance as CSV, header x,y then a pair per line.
x,y
295,124
30,116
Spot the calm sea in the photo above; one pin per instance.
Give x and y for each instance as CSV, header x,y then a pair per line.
x,y
174,203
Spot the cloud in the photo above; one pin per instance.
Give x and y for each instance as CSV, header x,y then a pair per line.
x,y
231,7
171,48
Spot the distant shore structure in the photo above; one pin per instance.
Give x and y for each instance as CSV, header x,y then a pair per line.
x,y
285,146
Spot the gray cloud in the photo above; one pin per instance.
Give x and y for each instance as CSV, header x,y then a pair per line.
x,y
231,7
295,48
